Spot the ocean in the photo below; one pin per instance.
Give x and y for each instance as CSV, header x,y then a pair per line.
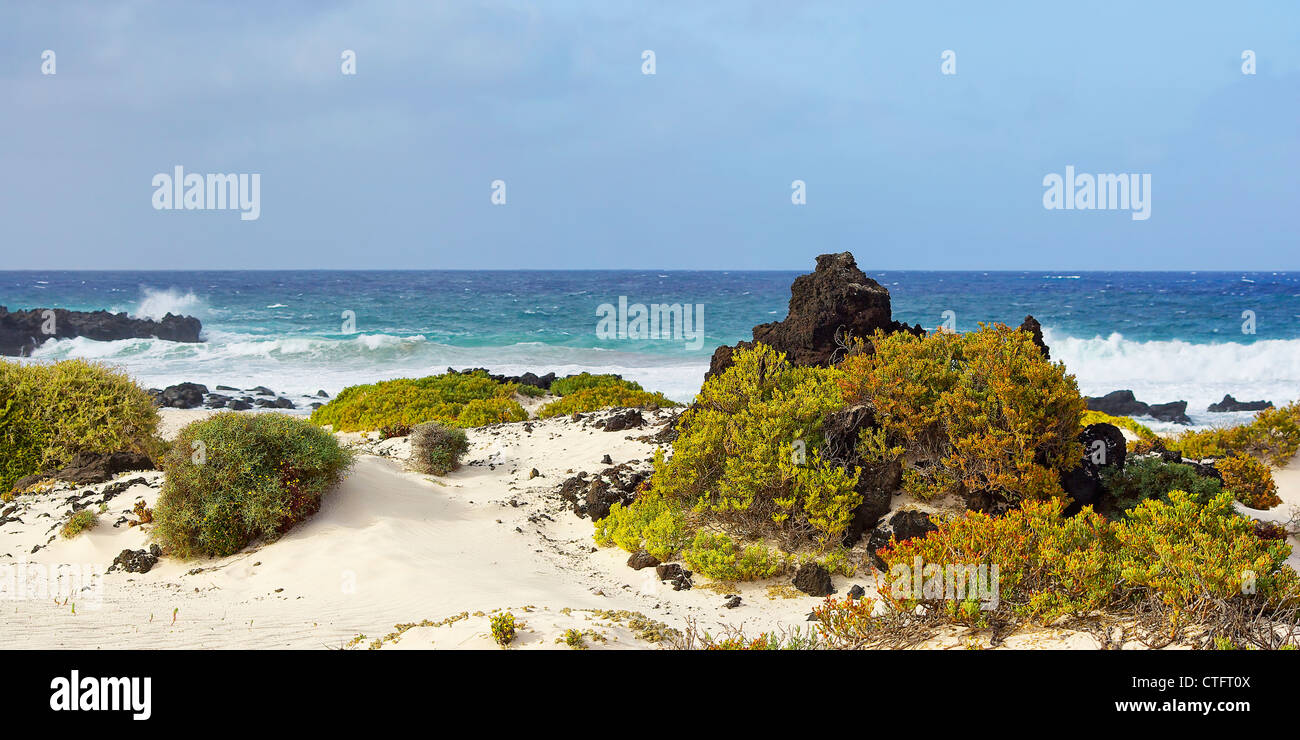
x,y
1168,336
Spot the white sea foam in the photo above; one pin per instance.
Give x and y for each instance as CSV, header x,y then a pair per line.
x,y
155,304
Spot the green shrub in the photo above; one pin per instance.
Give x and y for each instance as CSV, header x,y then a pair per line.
x,y
233,478
1250,481
49,413
717,556
603,397
1150,477
1184,550
456,399
971,414
650,522
584,381
736,458
436,449
1272,436
503,628
78,523
531,391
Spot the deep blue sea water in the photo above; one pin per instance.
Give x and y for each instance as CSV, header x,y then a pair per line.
x,y
1168,336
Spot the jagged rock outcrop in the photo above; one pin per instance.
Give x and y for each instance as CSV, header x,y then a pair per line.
x,y
1124,403
1231,404
1035,329
835,301
1103,447
21,332
902,526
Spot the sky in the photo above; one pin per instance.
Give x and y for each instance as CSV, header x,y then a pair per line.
x,y
606,167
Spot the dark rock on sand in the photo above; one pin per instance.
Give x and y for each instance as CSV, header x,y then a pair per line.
x,y
1231,404
622,421
181,396
814,580
137,561
679,576
837,300
21,332
642,559
856,593
732,603
91,467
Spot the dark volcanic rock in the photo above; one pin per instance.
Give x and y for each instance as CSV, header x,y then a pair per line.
x,y
834,302
137,561
91,467
814,580
679,576
840,432
1174,411
1118,403
1035,330
181,396
23,331
536,381
642,559
902,526
1231,404
622,420
1103,447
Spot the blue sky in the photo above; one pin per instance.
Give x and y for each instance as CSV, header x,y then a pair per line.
x,y
689,168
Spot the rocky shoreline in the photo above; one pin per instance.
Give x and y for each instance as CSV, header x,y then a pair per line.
x,y
21,332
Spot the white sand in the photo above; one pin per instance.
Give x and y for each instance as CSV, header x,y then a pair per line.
x,y
394,547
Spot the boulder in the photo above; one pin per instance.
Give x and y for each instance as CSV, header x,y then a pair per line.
x,y
137,561
1231,404
92,467
1103,447
181,396
1174,412
1117,403
813,579
834,302
642,559
622,420
21,332
902,526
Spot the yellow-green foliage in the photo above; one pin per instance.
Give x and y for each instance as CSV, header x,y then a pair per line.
x,y
1272,436
650,522
234,477
981,412
503,628
49,413
1144,433
582,381
1250,481
717,556
455,399
78,523
1184,550
604,397
1050,566
735,459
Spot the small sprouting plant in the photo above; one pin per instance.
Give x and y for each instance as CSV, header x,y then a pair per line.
x,y
78,523
503,628
573,638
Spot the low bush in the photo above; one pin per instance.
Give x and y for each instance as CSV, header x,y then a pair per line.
x,y
233,478
585,381
1185,550
50,413
747,454
455,399
78,523
971,414
1250,481
503,628
1190,555
650,522
604,397
1151,478
717,556
436,449
1272,436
